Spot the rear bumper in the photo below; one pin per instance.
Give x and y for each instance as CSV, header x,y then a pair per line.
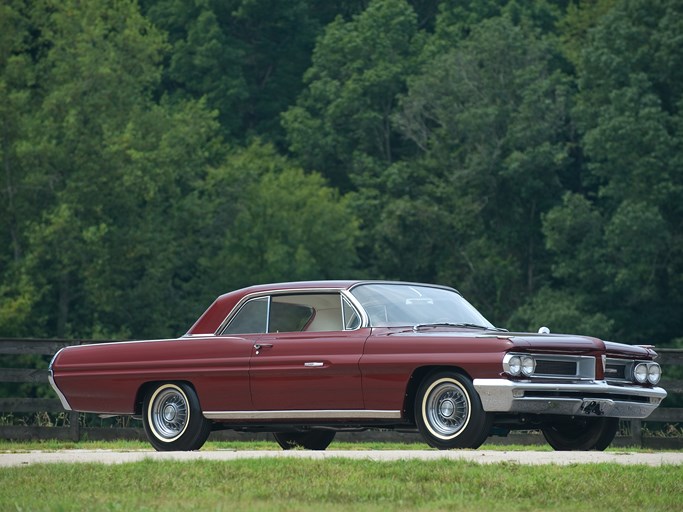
x,y
594,398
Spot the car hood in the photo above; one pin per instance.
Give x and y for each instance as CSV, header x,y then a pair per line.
x,y
563,342
560,343
533,342
631,351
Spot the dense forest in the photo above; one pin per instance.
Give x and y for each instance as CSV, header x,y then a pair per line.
x,y
157,153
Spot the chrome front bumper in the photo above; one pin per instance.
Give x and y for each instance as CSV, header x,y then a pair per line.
x,y
594,398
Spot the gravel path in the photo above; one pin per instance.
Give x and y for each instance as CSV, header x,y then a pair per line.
x,y
479,456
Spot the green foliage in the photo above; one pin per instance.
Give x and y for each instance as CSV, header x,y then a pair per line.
x,y
341,125
620,242
245,57
280,224
528,153
338,484
565,313
488,117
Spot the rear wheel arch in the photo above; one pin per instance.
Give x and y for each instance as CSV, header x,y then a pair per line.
x,y
146,387
172,417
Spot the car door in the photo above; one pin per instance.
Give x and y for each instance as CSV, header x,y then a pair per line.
x,y
308,359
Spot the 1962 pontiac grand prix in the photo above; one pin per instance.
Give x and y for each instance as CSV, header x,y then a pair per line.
x,y
306,360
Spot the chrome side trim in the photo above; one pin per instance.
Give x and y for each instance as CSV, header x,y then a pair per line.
x,y
51,379
304,415
579,398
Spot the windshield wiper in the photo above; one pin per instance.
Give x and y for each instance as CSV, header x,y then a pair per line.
x,y
417,327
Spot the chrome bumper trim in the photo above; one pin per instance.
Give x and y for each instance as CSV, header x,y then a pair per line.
x,y
597,398
303,415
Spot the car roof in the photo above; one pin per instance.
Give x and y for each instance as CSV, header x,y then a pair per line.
x,y
214,316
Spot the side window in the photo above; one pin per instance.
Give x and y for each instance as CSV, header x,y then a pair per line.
x,y
310,312
285,317
250,319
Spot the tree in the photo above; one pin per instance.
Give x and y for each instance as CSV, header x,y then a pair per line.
x,y
245,57
96,166
342,124
17,75
273,222
629,116
489,117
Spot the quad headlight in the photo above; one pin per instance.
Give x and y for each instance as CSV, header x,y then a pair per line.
x,y
654,373
528,365
513,366
640,373
517,365
647,372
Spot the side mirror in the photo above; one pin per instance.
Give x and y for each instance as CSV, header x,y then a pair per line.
x,y
544,330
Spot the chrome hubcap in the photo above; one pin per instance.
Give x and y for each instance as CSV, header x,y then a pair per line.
x,y
169,413
447,409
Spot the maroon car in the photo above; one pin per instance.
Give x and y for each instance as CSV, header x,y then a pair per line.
x,y
306,360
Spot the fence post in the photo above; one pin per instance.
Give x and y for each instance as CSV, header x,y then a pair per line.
x,y
74,427
637,433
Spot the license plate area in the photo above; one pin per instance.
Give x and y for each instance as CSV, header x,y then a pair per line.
x,y
596,406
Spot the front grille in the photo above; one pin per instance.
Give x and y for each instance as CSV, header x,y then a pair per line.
x,y
619,370
615,371
556,368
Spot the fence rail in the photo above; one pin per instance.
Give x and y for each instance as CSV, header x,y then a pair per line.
x,y
74,429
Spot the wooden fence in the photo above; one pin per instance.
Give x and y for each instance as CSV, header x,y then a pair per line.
x,y
62,425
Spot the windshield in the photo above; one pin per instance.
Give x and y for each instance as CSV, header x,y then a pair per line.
x,y
414,305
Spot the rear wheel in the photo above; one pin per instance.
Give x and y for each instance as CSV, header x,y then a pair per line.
x,y
313,440
449,414
581,434
173,419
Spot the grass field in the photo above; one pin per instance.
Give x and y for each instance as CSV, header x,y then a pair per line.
x,y
333,484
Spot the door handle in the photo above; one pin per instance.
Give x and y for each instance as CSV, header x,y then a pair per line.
x,y
259,346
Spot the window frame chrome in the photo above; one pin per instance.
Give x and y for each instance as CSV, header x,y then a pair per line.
x,y
344,295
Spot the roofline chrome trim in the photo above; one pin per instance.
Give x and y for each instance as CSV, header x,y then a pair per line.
x,y
303,415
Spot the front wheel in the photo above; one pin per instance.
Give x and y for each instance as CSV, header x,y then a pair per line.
x,y
581,434
313,440
173,419
449,414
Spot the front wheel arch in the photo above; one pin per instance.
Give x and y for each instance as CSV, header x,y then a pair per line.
x,y
448,411
580,434
416,379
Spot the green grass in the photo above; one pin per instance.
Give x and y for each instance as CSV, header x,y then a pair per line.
x,y
338,485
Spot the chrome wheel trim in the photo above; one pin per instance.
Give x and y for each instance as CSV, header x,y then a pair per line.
x,y
446,408
168,413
